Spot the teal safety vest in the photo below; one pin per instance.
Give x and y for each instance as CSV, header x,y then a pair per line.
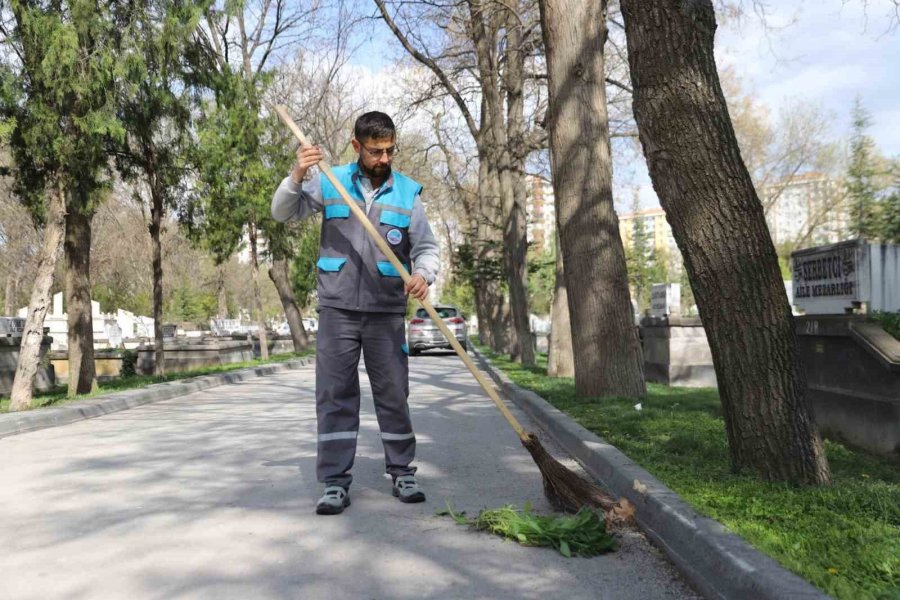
x,y
353,273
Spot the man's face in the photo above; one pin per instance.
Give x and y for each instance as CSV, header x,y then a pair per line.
x,y
375,155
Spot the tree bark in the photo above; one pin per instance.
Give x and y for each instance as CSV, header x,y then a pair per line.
x,y
9,299
718,222
33,334
82,372
487,255
280,276
157,210
560,361
260,317
608,359
515,229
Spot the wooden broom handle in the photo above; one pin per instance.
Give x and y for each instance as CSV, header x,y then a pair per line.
x,y
386,250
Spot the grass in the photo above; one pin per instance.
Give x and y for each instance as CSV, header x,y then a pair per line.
x,y
843,538
889,321
58,397
582,534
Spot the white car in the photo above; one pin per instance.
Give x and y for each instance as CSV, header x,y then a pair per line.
x,y
310,324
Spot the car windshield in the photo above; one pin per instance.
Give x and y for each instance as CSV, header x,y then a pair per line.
x,y
442,311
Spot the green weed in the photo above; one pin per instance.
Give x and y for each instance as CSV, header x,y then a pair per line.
x,y
844,538
581,534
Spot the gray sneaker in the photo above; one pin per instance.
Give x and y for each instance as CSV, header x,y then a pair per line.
x,y
407,490
333,501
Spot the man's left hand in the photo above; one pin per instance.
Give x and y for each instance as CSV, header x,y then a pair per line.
x,y
417,287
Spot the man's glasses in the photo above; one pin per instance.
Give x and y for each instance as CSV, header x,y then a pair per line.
x,y
379,152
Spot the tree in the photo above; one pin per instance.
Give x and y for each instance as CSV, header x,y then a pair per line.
x,y
496,38
155,109
862,188
242,149
560,357
58,109
608,359
718,222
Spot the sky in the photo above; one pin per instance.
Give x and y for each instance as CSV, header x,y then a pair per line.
x,y
825,51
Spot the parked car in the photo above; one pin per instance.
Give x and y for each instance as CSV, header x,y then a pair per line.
x,y
310,324
423,334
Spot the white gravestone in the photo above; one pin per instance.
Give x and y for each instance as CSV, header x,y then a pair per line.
x,y
837,278
665,300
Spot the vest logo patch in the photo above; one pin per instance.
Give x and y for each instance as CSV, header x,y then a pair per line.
x,y
394,237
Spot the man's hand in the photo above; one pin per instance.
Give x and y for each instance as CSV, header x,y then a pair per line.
x,y
417,287
306,157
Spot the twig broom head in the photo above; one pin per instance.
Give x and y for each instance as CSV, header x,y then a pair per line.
x,y
567,491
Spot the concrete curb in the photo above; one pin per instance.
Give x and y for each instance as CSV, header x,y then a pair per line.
x,y
33,420
718,563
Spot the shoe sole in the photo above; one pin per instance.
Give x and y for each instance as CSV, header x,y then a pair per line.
x,y
328,509
413,499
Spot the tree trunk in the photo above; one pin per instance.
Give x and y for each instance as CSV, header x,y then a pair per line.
x,y
515,227
82,373
9,299
487,255
560,361
719,225
156,216
260,317
33,334
221,292
280,276
608,360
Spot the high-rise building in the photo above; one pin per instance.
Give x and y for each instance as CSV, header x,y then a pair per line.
x,y
806,210
540,209
656,229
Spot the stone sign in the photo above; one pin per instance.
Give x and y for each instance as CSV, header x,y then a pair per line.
x,y
838,278
169,331
11,326
665,300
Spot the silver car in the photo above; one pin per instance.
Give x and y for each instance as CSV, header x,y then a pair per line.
x,y
423,334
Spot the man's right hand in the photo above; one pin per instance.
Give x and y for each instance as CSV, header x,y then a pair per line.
x,y
306,157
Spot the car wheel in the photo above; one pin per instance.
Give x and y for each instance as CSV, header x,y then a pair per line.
x,y
413,352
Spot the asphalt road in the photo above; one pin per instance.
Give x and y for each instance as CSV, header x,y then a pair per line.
x,y
211,496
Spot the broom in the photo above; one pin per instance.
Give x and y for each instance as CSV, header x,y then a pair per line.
x,y
564,489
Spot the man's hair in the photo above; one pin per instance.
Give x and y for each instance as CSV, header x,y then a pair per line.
x,y
374,126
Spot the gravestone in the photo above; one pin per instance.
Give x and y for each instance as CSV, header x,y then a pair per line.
x,y
11,327
169,332
665,300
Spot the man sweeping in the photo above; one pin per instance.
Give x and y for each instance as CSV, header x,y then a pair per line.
x,y
362,303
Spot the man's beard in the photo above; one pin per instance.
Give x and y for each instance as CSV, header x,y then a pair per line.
x,y
378,171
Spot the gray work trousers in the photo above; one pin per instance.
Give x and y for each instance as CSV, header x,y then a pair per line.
x,y
382,339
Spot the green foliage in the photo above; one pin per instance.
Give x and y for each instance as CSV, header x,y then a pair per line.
x,y
191,305
484,263
844,538
890,321
862,190
459,292
541,280
303,263
129,364
58,85
582,534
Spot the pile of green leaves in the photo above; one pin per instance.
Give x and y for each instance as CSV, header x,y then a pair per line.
x,y
582,534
